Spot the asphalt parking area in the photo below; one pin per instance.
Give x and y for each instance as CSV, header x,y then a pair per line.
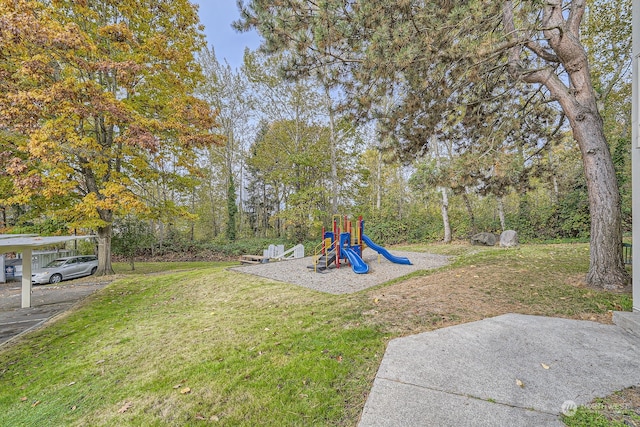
x,y
46,302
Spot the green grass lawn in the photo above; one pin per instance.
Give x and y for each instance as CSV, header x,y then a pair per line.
x,y
190,347
201,345
163,267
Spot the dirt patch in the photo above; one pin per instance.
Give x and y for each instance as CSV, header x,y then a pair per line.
x,y
463,295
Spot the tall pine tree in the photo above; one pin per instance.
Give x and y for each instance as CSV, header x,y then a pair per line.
x,y
433,57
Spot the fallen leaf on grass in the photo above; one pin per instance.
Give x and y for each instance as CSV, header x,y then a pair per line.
x,y
185,390
125,407
23,399
519,383
545,366
200,417
71,383
36,403
214,418
339,359
74,407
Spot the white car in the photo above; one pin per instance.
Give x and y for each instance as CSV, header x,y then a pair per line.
x,y
66,268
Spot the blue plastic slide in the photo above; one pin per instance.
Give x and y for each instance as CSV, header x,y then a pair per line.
x,y
357,264
385,253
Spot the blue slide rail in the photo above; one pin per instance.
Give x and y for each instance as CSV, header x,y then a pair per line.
x,y
357,264
385,253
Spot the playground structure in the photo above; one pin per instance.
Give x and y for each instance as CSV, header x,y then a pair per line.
x,y
345,244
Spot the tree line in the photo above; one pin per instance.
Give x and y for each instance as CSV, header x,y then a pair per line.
x,y
117,118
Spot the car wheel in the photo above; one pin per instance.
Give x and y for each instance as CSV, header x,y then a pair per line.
x,y
56,278
93,270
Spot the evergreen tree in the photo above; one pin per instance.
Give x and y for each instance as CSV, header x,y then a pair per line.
x,y
232,210
437,56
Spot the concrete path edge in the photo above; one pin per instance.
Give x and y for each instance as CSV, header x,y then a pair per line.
x,y
516,370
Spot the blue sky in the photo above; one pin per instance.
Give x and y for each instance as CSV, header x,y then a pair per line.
x,y
217,16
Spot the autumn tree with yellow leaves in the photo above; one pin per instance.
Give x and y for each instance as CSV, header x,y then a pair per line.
x,y
99,95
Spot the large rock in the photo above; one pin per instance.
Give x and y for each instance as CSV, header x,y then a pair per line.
x,y
485,239
508,239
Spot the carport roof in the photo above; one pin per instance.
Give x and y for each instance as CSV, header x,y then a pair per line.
x,y
18,242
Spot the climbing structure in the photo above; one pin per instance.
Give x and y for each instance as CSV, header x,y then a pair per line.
x,y
344,243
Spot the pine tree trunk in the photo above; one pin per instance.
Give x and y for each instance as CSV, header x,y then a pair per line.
x,y
606,269
472,217
240,225
578,101
445,215
554,179
333,149
501,213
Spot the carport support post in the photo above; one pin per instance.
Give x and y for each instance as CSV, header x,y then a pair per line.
x,y
26,277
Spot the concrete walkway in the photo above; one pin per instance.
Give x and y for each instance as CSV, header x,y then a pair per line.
x,y
511,370
47,301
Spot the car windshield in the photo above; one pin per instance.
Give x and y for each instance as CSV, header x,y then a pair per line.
x,y
56,263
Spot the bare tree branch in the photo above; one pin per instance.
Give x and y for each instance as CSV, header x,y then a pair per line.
x,y
543,53
510,32
575,16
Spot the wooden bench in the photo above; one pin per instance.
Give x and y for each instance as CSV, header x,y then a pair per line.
x,y
251,259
